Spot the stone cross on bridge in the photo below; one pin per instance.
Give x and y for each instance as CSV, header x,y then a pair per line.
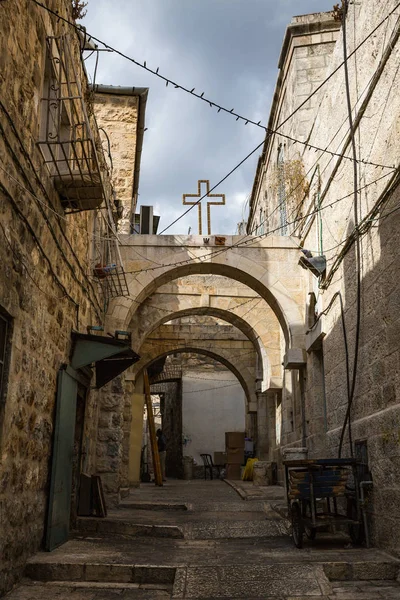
x,y
208,195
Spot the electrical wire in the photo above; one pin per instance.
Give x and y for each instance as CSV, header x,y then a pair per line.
x,y
68,221
363,227
347,419
46,219
213,188
270,132
39,245
221,387
260,236
366,94
145,305
190,349
27,270
207,100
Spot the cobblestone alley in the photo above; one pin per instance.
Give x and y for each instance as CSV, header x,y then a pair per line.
x,y
201,539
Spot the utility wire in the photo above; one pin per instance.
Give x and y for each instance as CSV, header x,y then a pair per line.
x,y
260,236
27,269
213,188
269,131
145,305
46,219
74,225
207,100
39,245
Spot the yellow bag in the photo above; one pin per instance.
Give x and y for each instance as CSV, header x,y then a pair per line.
x,y
248,470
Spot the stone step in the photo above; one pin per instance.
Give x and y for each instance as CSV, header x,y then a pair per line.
x,y
37,590
85,571
362,570
221,529
277,582
113,527
135,505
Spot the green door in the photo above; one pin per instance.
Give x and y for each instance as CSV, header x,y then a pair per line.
x,y
61,469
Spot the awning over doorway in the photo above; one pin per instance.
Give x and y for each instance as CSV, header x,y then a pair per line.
x,y
110,357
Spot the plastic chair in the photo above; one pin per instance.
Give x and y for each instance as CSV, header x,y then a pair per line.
x,y
209,465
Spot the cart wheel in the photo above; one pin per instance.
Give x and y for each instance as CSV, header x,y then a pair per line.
x,y
356,532
310,532
297,525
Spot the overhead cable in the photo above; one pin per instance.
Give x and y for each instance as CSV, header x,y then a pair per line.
x,y
254,238
214,104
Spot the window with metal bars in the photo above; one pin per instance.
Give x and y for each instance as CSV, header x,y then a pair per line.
x,y
65,137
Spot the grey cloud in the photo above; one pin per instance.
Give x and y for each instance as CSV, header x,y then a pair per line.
x,y
227,48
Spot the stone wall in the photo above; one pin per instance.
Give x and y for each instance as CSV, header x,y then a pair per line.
x,y
113,428
213,403
375,100
305,57
46,285
117,115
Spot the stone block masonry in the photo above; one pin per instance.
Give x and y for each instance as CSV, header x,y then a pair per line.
x,y
329,184
120,116
46,288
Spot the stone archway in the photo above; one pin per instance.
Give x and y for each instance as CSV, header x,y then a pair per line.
x,y
258,266
224,356
151,314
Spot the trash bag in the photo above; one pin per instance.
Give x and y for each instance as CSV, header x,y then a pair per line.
x,y
248,470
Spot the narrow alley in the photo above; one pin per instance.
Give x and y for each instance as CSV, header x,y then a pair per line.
x,y
201,539
199,299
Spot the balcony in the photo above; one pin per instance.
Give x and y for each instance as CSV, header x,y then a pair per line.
x,y
66,139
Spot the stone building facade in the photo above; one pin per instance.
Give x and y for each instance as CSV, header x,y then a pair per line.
x,y
54,245
305,188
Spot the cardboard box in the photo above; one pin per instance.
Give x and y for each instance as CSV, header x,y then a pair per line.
x,y
233,472
220,458
235,456
234,439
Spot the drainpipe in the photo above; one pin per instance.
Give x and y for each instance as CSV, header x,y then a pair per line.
x,y
302,378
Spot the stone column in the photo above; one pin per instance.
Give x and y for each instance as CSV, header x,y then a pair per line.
x,y
109,448
266,435
251,425
262,427
271,421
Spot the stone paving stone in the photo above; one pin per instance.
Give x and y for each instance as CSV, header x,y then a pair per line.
x,y
201,583
214,560
179,583
45,592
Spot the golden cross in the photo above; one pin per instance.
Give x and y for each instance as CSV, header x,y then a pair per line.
x,y
198,195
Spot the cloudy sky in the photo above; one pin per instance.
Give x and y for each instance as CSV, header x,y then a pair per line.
x,y
229,50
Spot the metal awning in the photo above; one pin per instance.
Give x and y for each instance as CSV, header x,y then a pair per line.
x,y
110,357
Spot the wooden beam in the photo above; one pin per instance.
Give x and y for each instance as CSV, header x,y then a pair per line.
x,y
153,438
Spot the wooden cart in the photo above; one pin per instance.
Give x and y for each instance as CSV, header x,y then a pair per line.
x,y
313,489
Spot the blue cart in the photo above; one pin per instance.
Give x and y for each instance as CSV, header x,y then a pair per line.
x,y
314,488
